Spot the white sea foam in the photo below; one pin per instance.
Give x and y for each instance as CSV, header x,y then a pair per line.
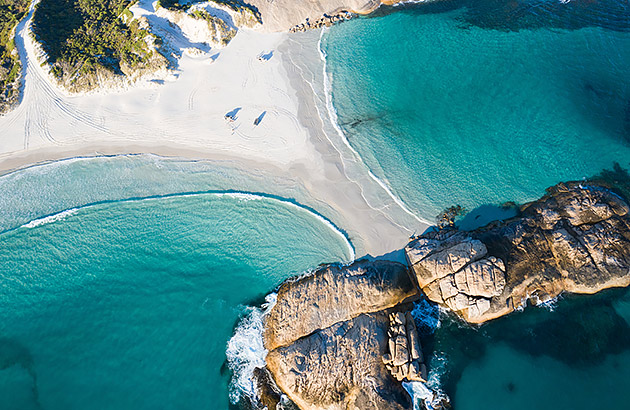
x,y
50,218
407,2
244,196
241,196
426,315
419,393
326,222
549,304
428,394
332,115
246,351
82,195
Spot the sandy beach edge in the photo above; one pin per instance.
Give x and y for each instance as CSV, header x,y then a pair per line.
x,y
330,179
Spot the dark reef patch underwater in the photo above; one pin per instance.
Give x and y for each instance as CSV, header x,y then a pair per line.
x,y
579,337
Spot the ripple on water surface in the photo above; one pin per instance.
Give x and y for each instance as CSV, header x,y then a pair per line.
x,y
130,304
483,102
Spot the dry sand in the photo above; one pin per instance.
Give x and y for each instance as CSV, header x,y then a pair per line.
x,y
296,141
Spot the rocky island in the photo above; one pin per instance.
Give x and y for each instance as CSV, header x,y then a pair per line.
x,y
345,338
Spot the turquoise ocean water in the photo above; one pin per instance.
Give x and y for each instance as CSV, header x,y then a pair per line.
x,y
130,303
122,279
478,103
483,102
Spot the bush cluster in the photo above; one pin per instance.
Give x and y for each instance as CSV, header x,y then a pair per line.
x,y
11,12
82,36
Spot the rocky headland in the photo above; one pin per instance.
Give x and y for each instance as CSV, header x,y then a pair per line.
x,y
345,337
288,15
575,239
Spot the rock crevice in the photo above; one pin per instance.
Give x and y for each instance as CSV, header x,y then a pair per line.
x,y
344,338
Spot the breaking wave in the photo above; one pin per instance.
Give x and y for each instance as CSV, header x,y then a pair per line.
x,y
246,351
50,218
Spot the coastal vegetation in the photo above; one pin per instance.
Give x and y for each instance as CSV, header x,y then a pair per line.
x,y
218,28
248,11
85,40
11,12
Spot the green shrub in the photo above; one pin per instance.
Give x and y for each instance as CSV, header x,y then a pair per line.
x,y
11,12
84,36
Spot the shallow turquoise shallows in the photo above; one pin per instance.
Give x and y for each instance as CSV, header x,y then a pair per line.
x,y
482,102
477,106
130,304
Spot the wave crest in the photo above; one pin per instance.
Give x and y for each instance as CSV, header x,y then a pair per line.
x,y
50,218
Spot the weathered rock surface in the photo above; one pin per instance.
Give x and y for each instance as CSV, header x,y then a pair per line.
x,y
404,358
324,21
340,367
574,239
283,15
334,295
344,338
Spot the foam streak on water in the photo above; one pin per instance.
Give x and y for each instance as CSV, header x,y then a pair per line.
x,y
130,303
50,218
442,115
241,196
76,183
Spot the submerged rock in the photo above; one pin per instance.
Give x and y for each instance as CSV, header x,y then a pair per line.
x,y
574,239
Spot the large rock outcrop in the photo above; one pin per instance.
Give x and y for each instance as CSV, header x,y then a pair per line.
x,y
574,239
404,358
329,338
340,367
335,294
283,15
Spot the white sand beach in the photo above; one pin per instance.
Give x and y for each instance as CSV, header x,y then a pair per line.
x,y
184,116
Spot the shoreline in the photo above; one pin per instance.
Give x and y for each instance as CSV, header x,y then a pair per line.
x,y
226,193
295,152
